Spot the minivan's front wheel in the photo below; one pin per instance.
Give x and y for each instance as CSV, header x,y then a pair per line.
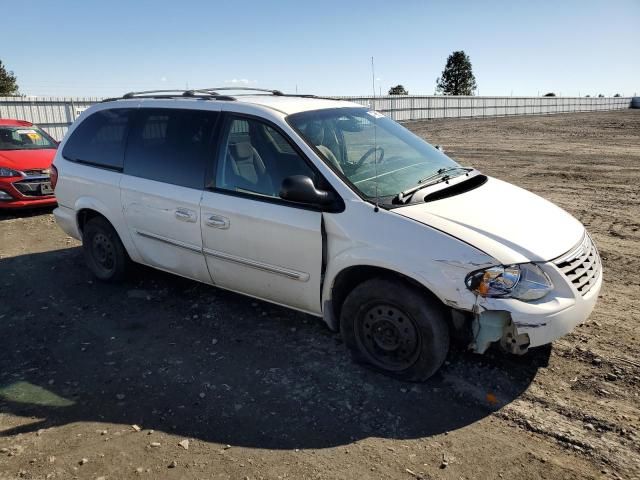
x,y
104,253
395,328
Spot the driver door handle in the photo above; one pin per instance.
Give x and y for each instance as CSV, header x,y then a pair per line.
x,y
217,221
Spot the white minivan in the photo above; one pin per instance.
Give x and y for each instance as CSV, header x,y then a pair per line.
x,y
326,207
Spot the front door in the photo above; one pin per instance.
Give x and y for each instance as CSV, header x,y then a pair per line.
x,y
254,242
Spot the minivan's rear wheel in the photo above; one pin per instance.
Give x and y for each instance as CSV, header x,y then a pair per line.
x,y
104,253
395,328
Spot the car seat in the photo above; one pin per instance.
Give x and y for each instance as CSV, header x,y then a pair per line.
x,y
245,169
315,133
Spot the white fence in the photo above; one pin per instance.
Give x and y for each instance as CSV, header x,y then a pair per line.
x,y
53,114
56,114
410,107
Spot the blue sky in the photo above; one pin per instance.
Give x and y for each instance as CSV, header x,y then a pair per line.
x,y
82,47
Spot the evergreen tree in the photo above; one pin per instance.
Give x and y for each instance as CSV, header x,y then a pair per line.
x,y
457,77
8,85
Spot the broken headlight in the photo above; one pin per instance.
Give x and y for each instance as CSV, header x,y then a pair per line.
x,y
525,281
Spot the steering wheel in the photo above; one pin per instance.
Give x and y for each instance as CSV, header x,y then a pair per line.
x,y
371,151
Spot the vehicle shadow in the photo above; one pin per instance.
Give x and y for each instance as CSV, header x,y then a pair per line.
x,y
10,214
170,354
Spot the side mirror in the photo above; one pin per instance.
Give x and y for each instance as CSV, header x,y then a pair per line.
x,y
440,147
300,188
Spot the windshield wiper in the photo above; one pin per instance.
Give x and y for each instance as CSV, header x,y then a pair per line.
x,y
443,171
442,175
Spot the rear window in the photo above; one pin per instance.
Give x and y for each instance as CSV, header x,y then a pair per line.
x,y
100,139
170,145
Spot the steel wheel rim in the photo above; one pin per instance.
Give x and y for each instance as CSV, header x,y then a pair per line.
x,y
388,336
103,251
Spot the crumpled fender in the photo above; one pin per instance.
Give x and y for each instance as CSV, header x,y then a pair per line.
x,y
432,258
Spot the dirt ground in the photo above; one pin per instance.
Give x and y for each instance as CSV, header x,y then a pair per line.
x,y
262,392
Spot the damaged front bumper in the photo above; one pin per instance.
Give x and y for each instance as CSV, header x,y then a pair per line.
x,y
519,325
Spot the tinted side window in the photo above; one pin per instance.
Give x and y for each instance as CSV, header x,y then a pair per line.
x,y
170,145
256,159
100,139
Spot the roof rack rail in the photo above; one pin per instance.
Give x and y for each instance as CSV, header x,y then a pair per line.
x,y
173,93
207,94
248,89
278,93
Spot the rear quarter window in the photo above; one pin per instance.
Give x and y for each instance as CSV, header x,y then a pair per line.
x,y
100,139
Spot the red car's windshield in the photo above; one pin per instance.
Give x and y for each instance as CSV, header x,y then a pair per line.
x,y
24,138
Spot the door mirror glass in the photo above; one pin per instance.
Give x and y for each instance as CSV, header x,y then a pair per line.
x,y
300,188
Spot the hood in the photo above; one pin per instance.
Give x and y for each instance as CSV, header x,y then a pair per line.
x,y
27,159
504,221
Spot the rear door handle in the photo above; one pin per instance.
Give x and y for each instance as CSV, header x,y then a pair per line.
x,y
216,221
186,215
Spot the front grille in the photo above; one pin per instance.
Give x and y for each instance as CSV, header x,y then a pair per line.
x,y
32,187
581,265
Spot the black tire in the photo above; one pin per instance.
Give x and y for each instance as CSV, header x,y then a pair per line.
x,y
395,329
104,253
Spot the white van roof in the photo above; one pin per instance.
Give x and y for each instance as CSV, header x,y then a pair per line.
x,y
274,99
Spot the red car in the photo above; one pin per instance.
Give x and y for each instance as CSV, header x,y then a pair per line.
x,y
26,153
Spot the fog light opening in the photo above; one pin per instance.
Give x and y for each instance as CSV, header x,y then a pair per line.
x,y
5,196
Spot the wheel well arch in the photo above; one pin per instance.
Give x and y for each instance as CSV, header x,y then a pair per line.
x,y
86,214
346,280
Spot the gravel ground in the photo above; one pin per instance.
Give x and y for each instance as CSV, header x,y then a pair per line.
x,y
108,381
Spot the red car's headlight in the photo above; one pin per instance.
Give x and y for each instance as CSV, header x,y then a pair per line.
x,y
7,172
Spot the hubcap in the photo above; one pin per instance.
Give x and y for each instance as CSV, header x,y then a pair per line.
x,y
103,251
388,337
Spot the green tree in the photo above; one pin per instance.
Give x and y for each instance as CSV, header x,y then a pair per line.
x,y
398,90
550,94
617,95
457,77
8,84
600,95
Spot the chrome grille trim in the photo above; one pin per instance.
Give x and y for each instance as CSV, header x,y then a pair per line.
x,y
581,265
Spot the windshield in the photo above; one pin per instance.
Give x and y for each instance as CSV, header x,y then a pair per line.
x,y
369,149
24,138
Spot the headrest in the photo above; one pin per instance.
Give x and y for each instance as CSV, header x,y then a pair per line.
x,y
241,149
